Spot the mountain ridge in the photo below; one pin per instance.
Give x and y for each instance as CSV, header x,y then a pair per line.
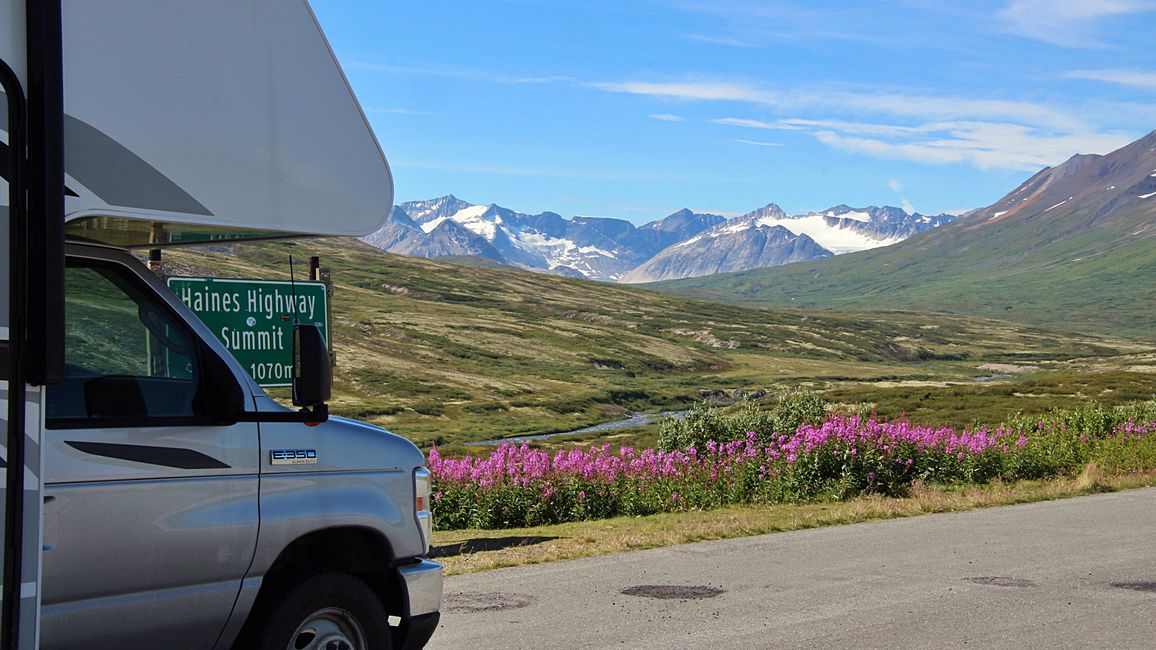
x,y
603,248
813,235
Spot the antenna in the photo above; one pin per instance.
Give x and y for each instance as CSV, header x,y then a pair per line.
x,y
293,288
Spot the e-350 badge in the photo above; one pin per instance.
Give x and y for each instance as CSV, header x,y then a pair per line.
x,y
293,457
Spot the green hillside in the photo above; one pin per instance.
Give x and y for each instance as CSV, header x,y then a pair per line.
x,y
1072,248
1085,283
443,352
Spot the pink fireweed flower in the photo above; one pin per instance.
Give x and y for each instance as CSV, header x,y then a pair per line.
x,y
686,472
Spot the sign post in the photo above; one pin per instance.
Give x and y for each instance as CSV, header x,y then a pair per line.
x,y
254,319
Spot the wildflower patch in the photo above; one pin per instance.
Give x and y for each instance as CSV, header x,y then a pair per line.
x,y
843,457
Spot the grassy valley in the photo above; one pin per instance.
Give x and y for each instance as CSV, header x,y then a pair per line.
x,y
442,352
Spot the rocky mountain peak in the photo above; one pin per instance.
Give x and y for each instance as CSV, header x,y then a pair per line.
x,y
769,210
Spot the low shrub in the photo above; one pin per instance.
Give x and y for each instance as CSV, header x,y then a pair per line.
x,y
704,423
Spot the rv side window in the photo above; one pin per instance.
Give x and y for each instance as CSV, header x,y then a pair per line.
x,y
128,360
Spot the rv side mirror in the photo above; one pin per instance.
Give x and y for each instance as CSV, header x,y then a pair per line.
x,y
312,374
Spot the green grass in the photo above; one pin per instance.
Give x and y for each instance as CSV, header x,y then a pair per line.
x,y
444,353
964,405
1052,270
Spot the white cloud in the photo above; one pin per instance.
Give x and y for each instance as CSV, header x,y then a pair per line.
x,y
701,90
798,124
981,144
895,104
1122,77
755,124
985,133
897,187
1068,23
758,143
665,117
721,40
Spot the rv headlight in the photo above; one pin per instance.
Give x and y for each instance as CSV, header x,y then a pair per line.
x,y
422,489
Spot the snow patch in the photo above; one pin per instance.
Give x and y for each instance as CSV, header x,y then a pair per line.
x,y
837,239
997,215
562,252
429,226
857,216
594,250
738,227
689,242
465,216
1146,196
1057,205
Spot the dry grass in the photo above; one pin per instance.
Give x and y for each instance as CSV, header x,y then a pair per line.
x,y
468,551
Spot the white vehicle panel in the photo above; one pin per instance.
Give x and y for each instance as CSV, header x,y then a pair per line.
x,y
238,117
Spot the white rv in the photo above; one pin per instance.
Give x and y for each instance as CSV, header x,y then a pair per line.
x,y
154,496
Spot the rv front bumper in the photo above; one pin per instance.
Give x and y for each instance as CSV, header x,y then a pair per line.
x,y
423,586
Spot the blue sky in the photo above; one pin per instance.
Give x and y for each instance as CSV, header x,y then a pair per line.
x,y
637,108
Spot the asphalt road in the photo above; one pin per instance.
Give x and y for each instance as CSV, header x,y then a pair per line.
x,y
1078,573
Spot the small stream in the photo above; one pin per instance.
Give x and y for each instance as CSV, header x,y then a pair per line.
x,y
635,420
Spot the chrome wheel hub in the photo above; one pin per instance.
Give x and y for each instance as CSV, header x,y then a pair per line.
x,y
331,628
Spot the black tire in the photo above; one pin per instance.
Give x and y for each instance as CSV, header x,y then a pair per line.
x,y
330,611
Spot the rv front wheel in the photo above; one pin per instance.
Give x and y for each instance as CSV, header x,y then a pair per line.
x,y
331,611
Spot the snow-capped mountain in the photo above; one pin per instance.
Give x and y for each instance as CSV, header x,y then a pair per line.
x,y
770,237
684,244
679,226
590,247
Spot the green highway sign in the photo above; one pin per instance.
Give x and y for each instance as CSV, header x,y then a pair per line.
x,y
254,319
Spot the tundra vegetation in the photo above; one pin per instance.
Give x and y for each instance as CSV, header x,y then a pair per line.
x,y
444,353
